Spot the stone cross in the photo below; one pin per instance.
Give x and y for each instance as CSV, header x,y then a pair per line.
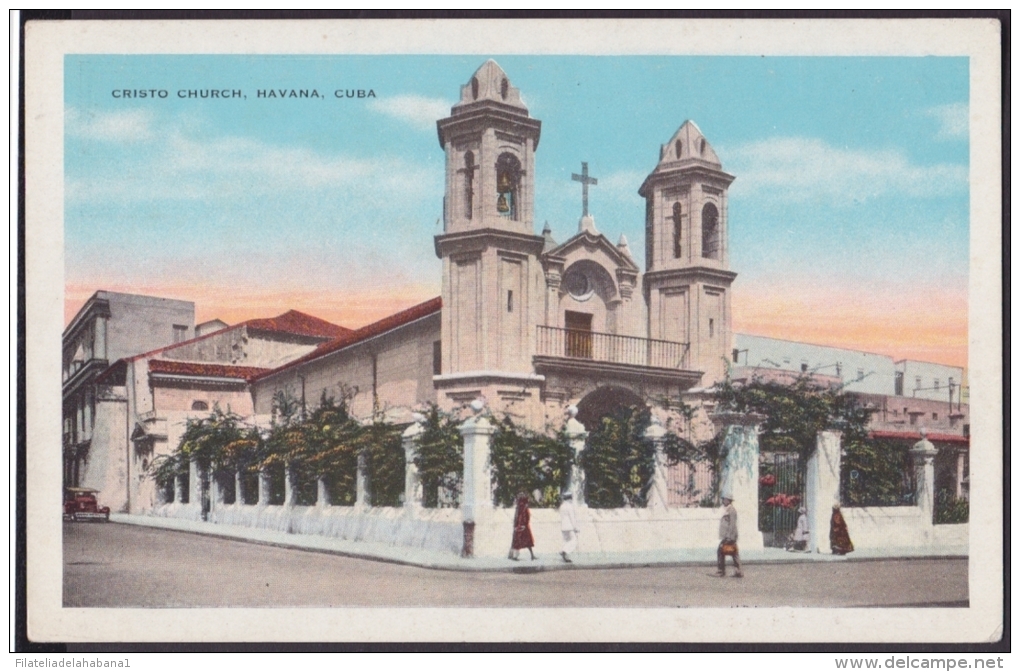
x,y
585,181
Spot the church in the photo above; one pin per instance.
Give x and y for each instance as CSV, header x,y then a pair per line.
x,y
532,325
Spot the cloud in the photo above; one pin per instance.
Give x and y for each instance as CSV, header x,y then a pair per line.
x,y
119,126
801,169
419,111
182,168
954,123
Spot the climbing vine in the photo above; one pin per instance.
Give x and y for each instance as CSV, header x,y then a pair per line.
x,y
528,462
618,460
439,458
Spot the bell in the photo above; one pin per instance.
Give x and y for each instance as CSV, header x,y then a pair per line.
x,y
503,184
501,204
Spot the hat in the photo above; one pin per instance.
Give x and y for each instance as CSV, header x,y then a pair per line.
x,y
567,495
802,510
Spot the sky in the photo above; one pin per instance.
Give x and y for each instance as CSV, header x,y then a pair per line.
x,y
848,218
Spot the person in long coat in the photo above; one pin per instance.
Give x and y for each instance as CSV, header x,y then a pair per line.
x,y
839,536
522,529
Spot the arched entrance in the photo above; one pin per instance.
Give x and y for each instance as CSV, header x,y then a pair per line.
x,y
604,401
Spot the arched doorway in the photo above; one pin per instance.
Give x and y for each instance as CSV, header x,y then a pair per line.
x,y
604,401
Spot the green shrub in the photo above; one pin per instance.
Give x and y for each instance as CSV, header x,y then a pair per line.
x,y
439,457
526,461
949,509
618,460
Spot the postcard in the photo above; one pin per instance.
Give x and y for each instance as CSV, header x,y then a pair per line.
x,y
514,330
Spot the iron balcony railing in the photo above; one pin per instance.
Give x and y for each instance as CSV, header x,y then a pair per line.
x,y
600,347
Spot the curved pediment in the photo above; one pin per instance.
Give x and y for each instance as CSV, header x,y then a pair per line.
x,y
596,247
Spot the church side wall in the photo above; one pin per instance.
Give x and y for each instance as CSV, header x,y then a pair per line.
x,y
402,373
181,398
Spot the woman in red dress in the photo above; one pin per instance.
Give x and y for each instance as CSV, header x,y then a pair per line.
x,y
522,529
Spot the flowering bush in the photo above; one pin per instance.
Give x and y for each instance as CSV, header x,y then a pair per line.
x,y
783,500
767,479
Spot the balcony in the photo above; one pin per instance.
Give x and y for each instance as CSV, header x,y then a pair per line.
x,y
628,356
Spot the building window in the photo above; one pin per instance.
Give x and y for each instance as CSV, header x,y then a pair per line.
x,y
736,355
679,148
934,416
803,367
917,383
710,232
508,184
199,406
504,88
677,250
437,357
509,300
913,418
935,384
180,333
898,391
711,328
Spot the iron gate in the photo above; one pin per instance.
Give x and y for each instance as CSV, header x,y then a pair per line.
x,y
780,493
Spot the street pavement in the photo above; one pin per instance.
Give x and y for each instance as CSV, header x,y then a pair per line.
x,y
117,565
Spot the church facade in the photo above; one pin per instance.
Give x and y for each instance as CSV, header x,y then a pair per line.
x,y
530,324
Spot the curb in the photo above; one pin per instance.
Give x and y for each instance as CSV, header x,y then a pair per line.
x,y
456,564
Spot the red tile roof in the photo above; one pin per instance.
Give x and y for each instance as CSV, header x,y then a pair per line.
x,y
205,370
916,436
412,314
296,322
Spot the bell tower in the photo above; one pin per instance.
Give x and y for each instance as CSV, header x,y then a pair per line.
x,y
687,276
490,141
492,278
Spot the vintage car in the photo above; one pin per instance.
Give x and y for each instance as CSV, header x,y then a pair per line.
x,y
81,504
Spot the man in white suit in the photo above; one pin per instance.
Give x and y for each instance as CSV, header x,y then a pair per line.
x,y
568,526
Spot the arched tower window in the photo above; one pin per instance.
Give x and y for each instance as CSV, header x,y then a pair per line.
x,y
508,186
677,249
679,148
469,184
474,88
710,231
504,88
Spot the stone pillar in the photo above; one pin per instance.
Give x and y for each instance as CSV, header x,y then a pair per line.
x,y
739,478
822,488
194,483
178,490
263,489
363,495
576,435
657,495
217,492
923,456
476,500
238,493
289,491
961,464
321,493
412,486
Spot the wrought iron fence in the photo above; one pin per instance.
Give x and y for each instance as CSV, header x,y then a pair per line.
x,y
601,347
691,485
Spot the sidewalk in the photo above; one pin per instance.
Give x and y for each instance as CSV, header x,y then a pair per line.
x,y
547,561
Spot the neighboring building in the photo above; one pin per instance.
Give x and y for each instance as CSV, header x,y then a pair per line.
x,y
144,401
209,327
110,325
858,371
927,380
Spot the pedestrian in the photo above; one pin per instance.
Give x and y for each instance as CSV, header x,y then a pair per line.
x,y
801,535
568,526
728,539
839,536
522,529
